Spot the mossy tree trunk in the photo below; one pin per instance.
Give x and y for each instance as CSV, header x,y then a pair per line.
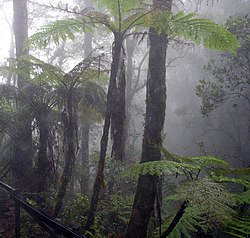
x,y
69,120
146,192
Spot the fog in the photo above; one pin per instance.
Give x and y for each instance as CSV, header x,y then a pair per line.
x,y
68,122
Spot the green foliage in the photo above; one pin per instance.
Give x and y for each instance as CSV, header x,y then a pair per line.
x,y
117,7
211,94
228,75
125,15
75,213
114,212
187,225
57,31
34,70
203,31
159,168
174,164
214,200
239,226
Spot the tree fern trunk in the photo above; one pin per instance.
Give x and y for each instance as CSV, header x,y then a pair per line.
x,y
84,179
42,168
99,180
22,162
70,150
154,121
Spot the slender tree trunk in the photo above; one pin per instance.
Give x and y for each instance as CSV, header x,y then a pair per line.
x,y
42,166
99,180
84,179
118,117
20,31
146,191
130,43
22,162
85,127
70,150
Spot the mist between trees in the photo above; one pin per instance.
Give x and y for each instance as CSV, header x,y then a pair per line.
x,y
128,118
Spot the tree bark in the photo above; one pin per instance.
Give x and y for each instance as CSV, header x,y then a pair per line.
x,y
146,191
118,116
42,165
99,180
20,31
84,179
68,117
22,162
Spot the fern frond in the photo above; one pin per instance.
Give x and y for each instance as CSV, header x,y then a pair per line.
x,y
199,161
116,7
56,32
239,227
214,201
203,31
159,168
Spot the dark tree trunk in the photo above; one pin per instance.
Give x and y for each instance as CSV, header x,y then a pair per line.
x,y
22,162
98,184
22,156
118,116
68,117
146,191
84,179
42,163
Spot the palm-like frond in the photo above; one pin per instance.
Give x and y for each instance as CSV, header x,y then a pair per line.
x,y
188,26
34,70
239,226
209,206
202,31
57,31
159,168
123,7
92,98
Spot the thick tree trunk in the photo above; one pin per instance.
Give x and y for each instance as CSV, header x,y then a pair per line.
x,y
98,184
146,191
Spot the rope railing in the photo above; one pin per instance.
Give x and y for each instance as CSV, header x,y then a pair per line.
x,y
43,220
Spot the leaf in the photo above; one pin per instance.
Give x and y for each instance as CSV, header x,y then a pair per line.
x,y
56,32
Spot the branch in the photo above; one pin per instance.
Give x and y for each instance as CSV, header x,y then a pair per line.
x,y
175,221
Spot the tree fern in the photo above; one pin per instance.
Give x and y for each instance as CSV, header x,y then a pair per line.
x,y
187,26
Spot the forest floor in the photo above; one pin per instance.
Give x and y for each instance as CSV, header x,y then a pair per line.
x,y
7,216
